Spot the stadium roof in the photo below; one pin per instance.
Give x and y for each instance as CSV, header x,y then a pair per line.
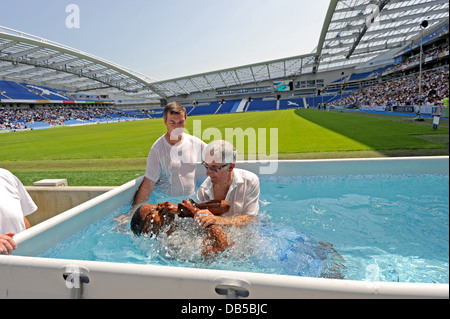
x,y
354,32
27,58
357,31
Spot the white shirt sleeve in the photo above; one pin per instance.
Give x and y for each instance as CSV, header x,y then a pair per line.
x,y
15,203
153,170
26,202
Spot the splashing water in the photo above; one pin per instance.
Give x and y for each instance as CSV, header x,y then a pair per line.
x,y
260,247
380,228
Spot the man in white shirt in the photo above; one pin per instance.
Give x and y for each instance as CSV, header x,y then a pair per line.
x,y
171,161
238,187
15,205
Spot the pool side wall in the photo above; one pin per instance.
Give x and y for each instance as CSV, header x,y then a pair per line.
x,y
23,275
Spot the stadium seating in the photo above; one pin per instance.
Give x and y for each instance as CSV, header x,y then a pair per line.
x,y
157,115
392,92
227,106
38,125
17,91
339,97
238,106
291,104
135,114
260,105
205,109
47,92
3,96
401,91
371,74
234,106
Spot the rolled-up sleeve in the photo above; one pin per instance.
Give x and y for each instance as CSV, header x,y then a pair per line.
x,y
26,202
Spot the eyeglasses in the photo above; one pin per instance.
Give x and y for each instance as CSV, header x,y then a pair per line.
x,y
214,169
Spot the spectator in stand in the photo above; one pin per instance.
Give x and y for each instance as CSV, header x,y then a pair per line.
x,y
15,119
401,91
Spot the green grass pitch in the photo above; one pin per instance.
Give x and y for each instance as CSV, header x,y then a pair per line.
x,y
112,154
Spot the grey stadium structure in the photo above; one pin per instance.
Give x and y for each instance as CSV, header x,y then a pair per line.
x,y
361,41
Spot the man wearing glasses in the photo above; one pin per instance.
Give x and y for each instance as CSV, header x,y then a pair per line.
x,y
238,187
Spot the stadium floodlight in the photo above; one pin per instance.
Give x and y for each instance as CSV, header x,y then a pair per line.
x,y
423,26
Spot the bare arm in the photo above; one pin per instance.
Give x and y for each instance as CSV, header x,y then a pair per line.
x,y
208,219
238,221
7,244
144,192
27,223
142,196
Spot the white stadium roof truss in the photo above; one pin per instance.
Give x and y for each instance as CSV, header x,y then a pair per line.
x,y
235,77
24,57
354,32
357,31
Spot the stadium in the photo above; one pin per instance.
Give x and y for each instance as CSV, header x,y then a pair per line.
x,y
353,54
375,89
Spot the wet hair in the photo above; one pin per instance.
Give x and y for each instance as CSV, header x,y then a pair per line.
x,y
220,152
137,224
174,108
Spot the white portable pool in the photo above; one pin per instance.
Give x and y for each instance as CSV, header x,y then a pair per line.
x,y
24,275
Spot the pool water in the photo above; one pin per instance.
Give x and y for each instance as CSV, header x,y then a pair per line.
x,y
392,228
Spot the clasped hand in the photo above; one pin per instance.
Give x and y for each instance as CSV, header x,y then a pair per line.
x,y
204,218
7,243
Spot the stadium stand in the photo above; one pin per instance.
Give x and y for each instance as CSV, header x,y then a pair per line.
x,y
203,109
370,74
392,93
379,81
41,118
402,91
137,114
261,105
46,92
156,115
14,90
2,96
227,106
320,100
239,106
292,103
38,125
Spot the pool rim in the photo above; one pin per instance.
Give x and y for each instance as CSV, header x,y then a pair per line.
x,y
303,285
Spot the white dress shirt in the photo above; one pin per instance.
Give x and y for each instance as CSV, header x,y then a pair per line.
x,y
243,194
172,168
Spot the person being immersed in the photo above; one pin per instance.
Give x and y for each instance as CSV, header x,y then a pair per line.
x,y
228,197
151,218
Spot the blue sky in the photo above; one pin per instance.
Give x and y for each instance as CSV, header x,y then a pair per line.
x,y
172,38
